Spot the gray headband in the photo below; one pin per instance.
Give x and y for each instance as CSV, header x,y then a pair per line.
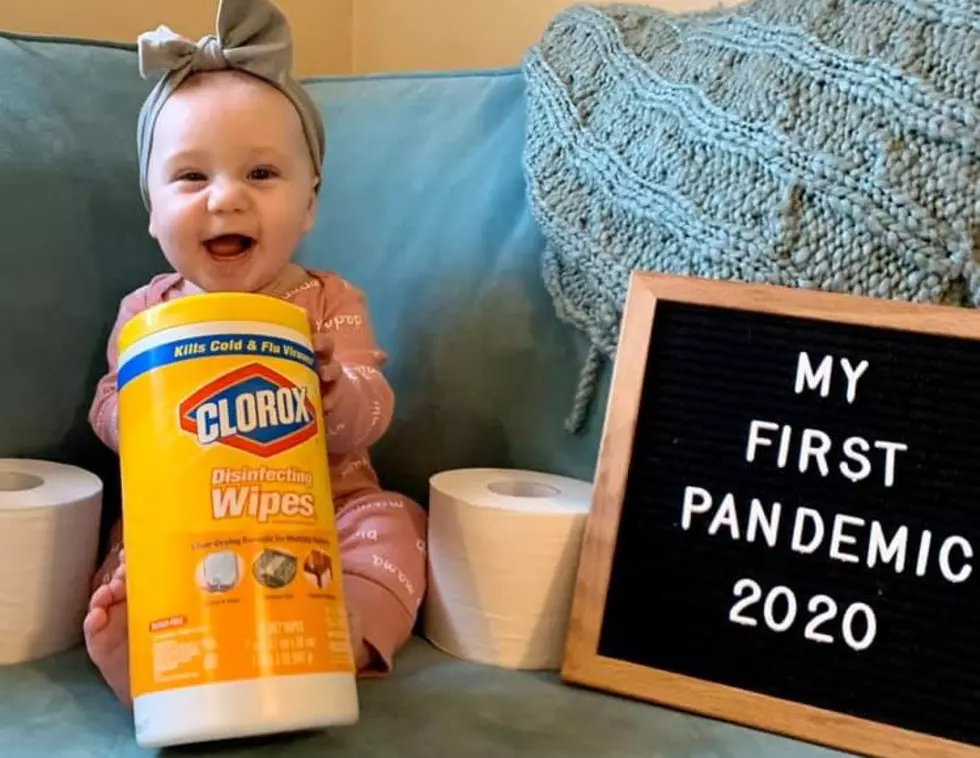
x,y
252,36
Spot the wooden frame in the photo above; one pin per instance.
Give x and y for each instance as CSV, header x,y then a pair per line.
x,y
582,664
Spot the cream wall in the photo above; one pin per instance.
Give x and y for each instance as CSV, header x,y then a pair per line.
x,y
321,28
332,36
439,34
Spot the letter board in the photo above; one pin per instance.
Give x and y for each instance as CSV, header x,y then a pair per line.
x,y
786,514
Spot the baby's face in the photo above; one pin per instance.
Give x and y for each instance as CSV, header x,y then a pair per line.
x,y
231,183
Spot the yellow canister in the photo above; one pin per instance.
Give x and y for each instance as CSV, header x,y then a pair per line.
x,y
237,618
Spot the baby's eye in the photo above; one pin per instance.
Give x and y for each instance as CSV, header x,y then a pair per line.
x,y
191,176
262,174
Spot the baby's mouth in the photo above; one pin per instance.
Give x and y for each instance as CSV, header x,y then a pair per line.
x,y
229,246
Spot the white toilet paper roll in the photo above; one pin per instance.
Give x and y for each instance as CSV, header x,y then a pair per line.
x,y
503,553
49,535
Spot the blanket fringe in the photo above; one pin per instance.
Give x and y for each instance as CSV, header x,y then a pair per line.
x,y
585,394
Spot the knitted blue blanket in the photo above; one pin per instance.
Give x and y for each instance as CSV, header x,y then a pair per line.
x,y
827,144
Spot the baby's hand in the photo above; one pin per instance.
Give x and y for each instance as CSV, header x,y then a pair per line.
x,y
328,368
109,565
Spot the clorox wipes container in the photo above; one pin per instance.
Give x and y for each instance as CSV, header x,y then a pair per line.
x,y
237,619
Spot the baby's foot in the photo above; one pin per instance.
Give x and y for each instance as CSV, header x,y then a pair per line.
x,y
106,633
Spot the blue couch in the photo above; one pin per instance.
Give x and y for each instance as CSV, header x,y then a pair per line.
x,y
424,208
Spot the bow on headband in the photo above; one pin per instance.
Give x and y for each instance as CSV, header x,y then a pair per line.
x,y
252,36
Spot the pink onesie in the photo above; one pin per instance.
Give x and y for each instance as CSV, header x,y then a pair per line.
x,y
382,534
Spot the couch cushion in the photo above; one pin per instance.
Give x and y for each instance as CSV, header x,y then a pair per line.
x,y
74,237
433,705
423,207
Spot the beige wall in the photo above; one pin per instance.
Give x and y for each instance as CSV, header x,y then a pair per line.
x,y
439,34
321,28
332,36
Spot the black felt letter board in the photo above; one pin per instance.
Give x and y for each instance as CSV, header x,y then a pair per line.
x,y
842,578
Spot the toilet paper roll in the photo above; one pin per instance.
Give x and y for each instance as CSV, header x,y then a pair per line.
x,y
503,554
49,539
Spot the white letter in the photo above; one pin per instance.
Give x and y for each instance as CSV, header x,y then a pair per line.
x,y
285,409
246,418
807,449
923,562
798,530
690,507
302,412
838,537
890,447
849,445
265,406
757,519
726,515
754,439
894,550
853,374
804,374
964,572
784,438
205,418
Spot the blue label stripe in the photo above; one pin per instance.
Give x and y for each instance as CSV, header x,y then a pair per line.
x,y
209,346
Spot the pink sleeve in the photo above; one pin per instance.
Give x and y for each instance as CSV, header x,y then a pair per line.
x,y
104,412
382,541
365,401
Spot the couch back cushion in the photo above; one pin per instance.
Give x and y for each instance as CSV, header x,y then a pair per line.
x,y
423,206
74,238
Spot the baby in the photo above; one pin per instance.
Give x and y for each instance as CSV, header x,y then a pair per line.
x,y
230,181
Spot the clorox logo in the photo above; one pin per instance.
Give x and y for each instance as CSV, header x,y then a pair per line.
x,y
254,409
